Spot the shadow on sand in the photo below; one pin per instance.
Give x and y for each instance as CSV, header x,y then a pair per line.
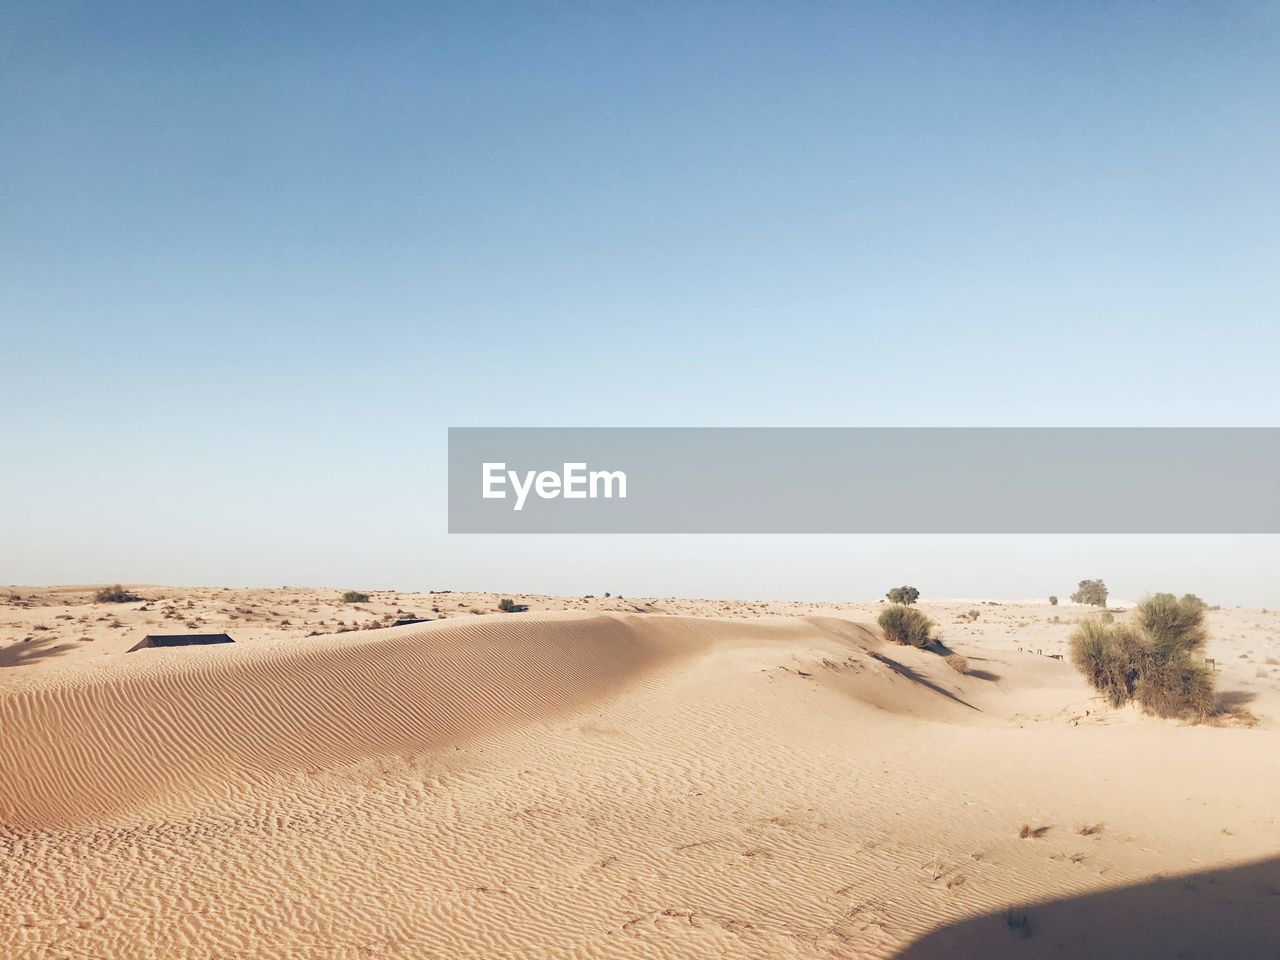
x,y
902,670
20,654
1231,699
1228,914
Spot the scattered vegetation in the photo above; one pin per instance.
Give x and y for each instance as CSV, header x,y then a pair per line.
x,y
1029,832
115,594
1091,592
506,605
958,663
1053,601
1153,660
355,596
901,624
1089,829
903,595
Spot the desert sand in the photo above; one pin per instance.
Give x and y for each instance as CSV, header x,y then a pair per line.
x,y
608,777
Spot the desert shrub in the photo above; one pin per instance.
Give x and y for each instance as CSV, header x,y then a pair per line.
x,y
901,624
1106,616
1092,592
1152,660
355,596
1192,600
115,594
506,605
957,663
1053,601
903,595
1107,656
1173,624
1175,688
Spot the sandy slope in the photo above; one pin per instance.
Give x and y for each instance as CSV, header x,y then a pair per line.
x,y
603,784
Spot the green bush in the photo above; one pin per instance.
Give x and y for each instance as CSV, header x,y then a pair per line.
x,y
903,595
1153,660
901,624
355,596
1092,592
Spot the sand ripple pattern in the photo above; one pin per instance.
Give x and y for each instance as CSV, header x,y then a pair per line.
x,y
572,787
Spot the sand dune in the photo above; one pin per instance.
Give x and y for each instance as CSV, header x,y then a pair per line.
x,y
179,726
590,784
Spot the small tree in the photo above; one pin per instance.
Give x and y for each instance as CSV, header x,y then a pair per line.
x,y
903,595
1053,601
506,605
901,624
355,596
1092,592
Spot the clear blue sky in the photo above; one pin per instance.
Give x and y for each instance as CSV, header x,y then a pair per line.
x,y
255,258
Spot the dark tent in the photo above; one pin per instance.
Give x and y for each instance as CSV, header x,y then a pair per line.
x,y
179,640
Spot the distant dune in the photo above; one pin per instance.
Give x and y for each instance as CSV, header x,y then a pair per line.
x,y
712,778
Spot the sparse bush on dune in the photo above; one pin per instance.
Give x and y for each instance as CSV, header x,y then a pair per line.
x,y
1053,601
957,663
902,624
355,596
115,594
903,595
506,604
1153,660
